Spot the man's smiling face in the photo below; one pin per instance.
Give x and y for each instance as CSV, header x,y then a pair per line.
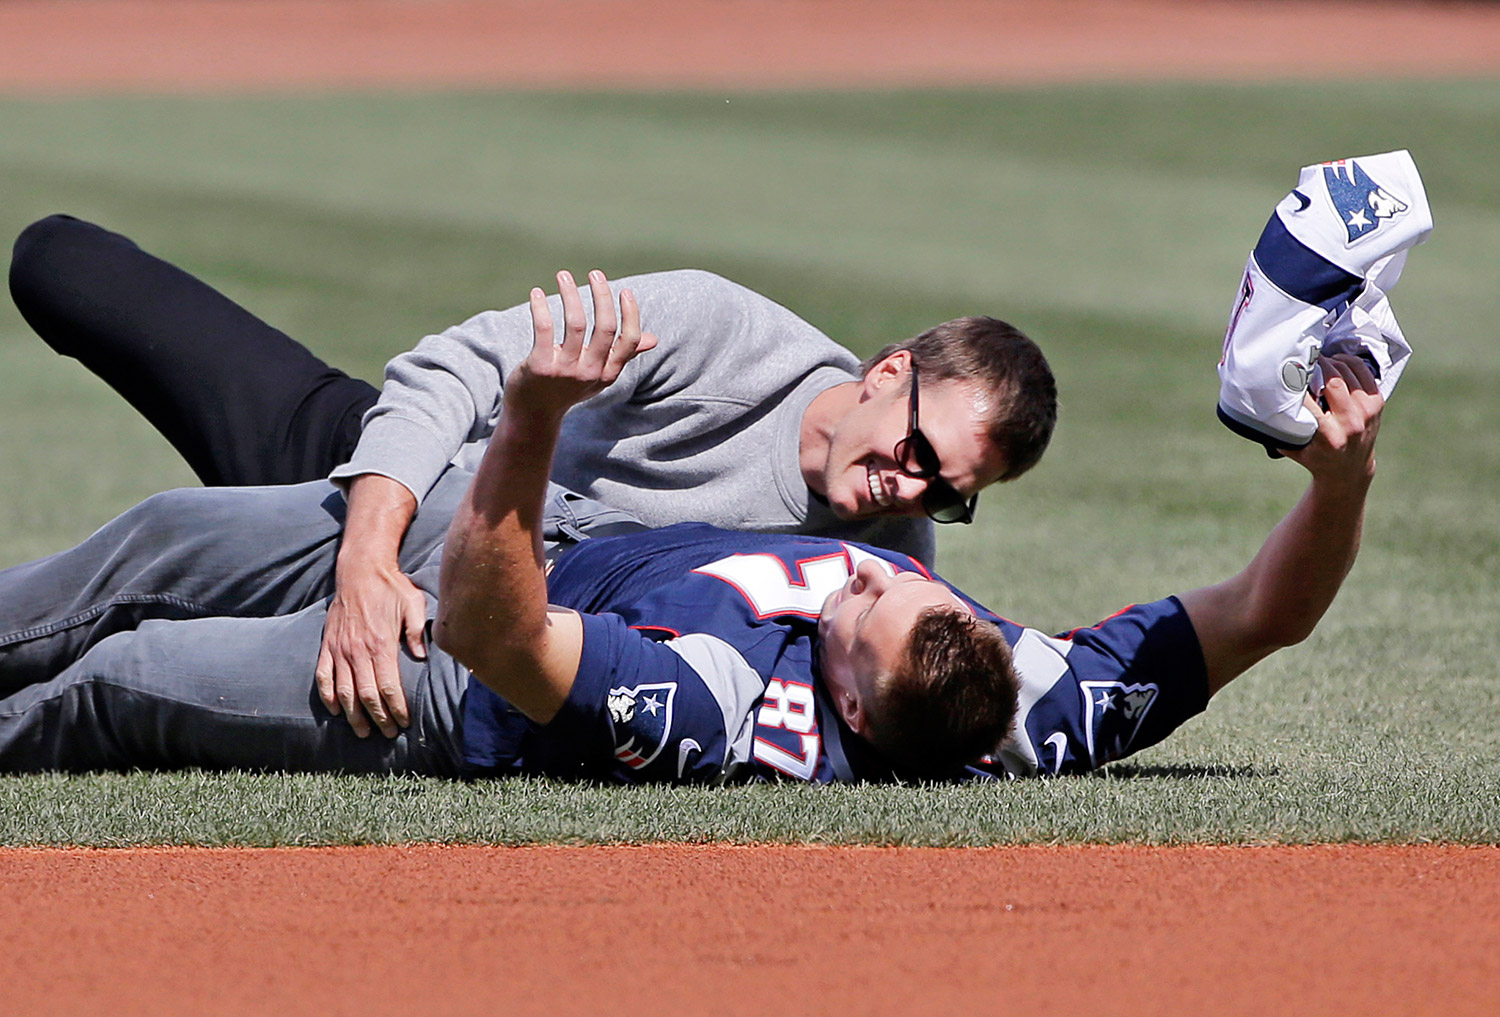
x,y
861,476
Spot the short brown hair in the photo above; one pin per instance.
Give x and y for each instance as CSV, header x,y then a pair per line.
x,y
1000,357
950,699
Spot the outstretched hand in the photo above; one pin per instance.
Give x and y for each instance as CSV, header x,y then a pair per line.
x,y
558,375
1348,420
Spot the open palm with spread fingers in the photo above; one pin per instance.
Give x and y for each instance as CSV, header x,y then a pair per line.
x,y
557,375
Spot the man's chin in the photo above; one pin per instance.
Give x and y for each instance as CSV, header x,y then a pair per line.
x,y
825,613
847,511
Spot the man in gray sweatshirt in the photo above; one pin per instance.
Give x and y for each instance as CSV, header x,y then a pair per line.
x,y
744,416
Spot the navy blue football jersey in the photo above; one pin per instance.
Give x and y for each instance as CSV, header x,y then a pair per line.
x,y
699,664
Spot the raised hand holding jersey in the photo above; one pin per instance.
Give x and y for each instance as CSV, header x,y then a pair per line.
x,y
1316,284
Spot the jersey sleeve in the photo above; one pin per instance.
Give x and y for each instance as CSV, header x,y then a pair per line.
x,y
438,396
658,710
1098,694
449,389
716,339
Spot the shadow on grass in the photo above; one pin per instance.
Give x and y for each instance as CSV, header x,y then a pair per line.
x,y
1126,771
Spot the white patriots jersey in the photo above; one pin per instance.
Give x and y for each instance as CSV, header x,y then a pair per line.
x,y
699,664
1317,284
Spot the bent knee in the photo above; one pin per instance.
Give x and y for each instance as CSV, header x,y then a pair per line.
x,y
43,262
37,247
170,516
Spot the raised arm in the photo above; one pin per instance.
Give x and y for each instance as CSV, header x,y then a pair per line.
x,y
493,615
440,395
1280,597
436,397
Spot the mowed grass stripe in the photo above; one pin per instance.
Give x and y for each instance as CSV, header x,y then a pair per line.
x,y
1110,223
1067,199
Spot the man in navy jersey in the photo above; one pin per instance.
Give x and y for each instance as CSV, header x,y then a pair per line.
x,y
176,636
1085,699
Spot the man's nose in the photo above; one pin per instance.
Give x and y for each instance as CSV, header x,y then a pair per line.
x,y
872,576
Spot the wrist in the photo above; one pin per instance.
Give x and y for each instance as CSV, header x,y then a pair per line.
x,y
355,563
367,549
368,557
527,436
1341,491
529,414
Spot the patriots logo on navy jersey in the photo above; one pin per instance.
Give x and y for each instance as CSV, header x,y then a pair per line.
x,y
1361,202
642,715
1112,716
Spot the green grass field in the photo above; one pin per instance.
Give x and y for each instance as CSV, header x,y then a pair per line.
x,y
1111,222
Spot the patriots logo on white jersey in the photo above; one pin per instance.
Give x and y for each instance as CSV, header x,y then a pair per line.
x,y
1361,202
1113,714
642,716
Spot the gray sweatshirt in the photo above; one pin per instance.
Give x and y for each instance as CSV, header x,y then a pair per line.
x,y
706,427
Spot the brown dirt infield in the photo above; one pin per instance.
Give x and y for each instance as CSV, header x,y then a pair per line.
x,y
470,930
172,45
1318,930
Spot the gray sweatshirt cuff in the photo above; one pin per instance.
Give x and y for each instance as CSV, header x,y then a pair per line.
x,y
404,450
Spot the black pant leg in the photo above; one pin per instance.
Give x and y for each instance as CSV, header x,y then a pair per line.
x,y
242,402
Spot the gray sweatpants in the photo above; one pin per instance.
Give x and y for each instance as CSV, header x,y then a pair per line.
x,y
185,633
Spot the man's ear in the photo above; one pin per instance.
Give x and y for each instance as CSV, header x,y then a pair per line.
x,y
851,710
886,371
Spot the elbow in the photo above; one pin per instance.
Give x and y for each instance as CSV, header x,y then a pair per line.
x,y
446,636
1275,631
455,639
485,654
1291,635
1275,618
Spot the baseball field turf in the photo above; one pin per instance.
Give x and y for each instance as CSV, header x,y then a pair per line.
x,y
1110,222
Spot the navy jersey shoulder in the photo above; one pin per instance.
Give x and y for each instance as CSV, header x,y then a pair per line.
x,y
1097,694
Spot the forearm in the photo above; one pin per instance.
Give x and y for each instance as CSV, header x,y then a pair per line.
x,y
1287,588
1304,562
501,513
493,589
1281,596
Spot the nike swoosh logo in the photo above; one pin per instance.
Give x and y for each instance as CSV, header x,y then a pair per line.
x,y
1059,743
683,748
1304,199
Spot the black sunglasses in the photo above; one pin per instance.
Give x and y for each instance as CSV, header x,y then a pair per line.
x,y
916,458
